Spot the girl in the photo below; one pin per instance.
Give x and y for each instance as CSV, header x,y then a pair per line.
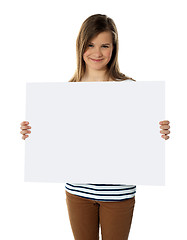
x,y
90,205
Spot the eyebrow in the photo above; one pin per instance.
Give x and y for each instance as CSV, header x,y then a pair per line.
x,y
102,44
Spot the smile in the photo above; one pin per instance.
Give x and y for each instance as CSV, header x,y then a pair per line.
x,y
96,60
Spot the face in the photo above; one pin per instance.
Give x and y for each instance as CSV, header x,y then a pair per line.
x,y
99,51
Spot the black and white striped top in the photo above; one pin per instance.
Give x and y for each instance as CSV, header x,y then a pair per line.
x,y
102,192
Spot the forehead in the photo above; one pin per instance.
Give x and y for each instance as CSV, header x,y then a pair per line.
x,y
103,37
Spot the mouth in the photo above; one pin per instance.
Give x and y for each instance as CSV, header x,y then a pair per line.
x,y
96,60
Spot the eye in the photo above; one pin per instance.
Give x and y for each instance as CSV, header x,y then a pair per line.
x,y
105,46
90,45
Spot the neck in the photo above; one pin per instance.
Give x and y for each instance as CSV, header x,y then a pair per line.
x,y
95,76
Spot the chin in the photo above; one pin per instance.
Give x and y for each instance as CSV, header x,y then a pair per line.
x,y
99,68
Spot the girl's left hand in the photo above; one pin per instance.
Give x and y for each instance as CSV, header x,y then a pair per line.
x,y
165,126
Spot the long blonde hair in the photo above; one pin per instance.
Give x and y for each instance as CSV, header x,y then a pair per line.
x,y
90,28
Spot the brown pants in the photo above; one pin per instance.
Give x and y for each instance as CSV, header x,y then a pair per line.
x,y
85,216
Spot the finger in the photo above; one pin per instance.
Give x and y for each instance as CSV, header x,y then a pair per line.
x,y
165,131
25,127
165,137
164,122
24,123
165,127
25,131
25,136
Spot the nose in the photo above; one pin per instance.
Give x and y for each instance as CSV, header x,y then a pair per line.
x,y
97,52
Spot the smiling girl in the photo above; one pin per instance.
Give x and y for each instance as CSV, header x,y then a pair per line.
x,y
91,205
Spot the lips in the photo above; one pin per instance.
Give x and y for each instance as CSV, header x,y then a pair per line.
x,y
96,60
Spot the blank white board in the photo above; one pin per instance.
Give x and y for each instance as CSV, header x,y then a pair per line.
x,y
95,132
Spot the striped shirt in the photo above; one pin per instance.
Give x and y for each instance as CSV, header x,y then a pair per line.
x,y
102,192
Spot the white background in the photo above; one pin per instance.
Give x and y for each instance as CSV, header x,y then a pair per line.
x,y
37,43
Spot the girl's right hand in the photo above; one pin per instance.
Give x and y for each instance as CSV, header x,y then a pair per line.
x,y
24,127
